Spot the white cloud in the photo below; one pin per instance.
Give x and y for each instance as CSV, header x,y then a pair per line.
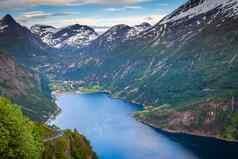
x,y
130,20
12,4
106,22
114,9
34,15
123,8
84,1
133,7
153,19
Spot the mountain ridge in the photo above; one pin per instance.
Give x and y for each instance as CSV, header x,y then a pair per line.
x,y
74,36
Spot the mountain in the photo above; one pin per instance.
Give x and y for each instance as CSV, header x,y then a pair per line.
x,y
195,8
186,60
24,88
116,36
19,41
74,36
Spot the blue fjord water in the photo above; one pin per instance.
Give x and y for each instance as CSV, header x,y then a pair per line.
x,y
114,133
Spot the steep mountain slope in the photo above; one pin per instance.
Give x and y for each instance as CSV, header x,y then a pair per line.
x,y
23,87
198,7
19,41
188,57
74,36
116,36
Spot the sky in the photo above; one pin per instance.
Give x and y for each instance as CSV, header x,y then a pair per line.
x,y
97,13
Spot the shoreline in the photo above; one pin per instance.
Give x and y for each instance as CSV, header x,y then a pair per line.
x,y
186,133
141,121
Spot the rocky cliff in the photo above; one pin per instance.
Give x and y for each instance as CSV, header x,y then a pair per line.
x,y
21,85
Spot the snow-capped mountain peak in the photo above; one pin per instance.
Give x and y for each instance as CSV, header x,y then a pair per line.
x,y
74,36
43,29
117,35
124,32
197,7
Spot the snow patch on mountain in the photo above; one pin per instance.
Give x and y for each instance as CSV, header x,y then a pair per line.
x,y
82,38
72,36
196,7
136,30
2,28
124,32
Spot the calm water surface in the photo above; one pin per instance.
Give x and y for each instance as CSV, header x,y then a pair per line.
x,y
115,134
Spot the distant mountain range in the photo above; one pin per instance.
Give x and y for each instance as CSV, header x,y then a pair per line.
x,y
78,36
71,36
42,39
116,36
187,60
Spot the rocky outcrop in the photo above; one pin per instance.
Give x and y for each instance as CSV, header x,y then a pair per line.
x,y
213,118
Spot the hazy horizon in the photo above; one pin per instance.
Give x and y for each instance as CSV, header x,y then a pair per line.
x,y
96,13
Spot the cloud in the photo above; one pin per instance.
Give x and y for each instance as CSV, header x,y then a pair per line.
x,y
50,2
133,7
12,4
33,15
123,8
84,1
106,22
153,19
83,21
113,9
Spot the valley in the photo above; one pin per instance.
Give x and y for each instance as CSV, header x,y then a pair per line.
x,y
183,70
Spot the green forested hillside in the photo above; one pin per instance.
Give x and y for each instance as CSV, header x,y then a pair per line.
x,y
20,138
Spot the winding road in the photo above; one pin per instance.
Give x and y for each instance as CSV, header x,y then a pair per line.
x,y
59,134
